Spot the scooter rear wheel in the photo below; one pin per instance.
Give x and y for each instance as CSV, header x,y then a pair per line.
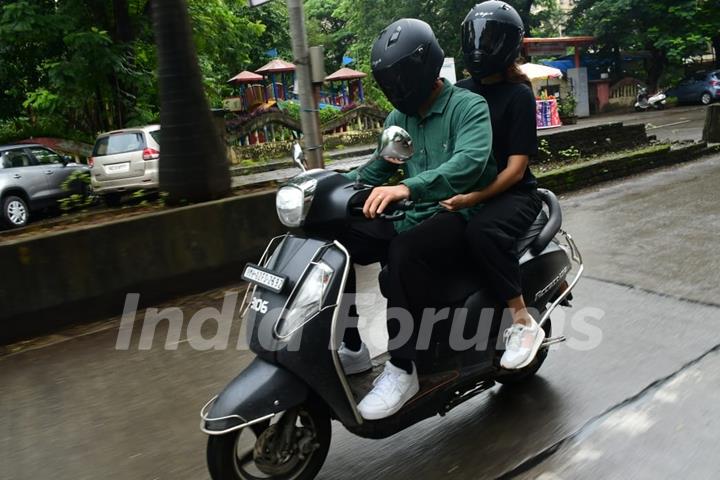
x,y
245,454
519,376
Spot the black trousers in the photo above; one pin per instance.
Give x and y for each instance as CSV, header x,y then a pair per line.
x,y
491,236
414,258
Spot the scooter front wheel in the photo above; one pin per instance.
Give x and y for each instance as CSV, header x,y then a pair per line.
x,y
293,446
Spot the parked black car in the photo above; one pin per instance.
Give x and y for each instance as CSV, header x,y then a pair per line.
x,y
703,87
32,178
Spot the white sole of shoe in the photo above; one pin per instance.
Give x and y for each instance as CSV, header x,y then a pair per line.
x,y
390,413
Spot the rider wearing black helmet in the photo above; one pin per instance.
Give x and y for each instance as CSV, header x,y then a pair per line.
x,y
450,129
492,35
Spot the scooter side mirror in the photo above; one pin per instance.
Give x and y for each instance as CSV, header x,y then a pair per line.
x,y
395,142
299,157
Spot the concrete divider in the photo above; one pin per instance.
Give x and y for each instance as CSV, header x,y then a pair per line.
x,y
84,274
78,274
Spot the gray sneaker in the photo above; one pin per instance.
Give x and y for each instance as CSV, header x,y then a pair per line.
x,y
355,362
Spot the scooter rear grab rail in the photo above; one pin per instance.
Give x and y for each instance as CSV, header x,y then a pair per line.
x,y
576,258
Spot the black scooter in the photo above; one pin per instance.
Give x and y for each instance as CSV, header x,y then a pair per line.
x,y
273,420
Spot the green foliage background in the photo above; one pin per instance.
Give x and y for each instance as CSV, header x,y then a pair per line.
x,y
73,68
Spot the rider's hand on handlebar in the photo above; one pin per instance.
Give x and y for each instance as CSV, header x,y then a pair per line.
x,y
381,197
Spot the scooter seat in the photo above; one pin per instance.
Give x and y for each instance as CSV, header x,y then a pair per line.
x,y
523,243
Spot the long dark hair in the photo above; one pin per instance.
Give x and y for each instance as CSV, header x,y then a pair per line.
x,y
513,74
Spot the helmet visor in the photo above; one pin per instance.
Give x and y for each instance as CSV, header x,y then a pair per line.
x,y
399,81
487,36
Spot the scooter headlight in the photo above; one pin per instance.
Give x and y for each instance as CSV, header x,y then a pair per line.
x,y
293,200
308,300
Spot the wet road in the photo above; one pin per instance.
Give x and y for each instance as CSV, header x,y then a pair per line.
x,y
674,124
633,394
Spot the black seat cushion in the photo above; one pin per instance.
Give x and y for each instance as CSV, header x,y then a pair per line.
x,y
524,242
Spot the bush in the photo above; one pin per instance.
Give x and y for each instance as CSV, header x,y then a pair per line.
x,y
292,109
566,105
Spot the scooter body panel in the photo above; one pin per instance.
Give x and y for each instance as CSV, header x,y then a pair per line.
x,y
306,352
260,390
542,275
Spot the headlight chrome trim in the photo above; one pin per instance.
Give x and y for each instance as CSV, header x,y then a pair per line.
x,y
306,186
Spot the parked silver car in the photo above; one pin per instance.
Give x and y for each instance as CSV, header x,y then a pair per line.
x,y
124,161
32,178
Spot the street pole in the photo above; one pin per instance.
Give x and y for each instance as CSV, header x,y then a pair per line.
x,y
308,107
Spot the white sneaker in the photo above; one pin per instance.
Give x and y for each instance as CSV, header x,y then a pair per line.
x,y
355,362
521,345
393,388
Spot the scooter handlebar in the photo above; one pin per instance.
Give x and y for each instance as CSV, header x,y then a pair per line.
x,y
394,212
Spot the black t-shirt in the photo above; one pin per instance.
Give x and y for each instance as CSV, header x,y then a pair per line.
x,y
512,115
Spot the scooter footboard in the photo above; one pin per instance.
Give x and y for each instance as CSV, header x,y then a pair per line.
x,y
260,392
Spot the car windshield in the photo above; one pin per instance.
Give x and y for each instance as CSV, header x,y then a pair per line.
x,y
119,143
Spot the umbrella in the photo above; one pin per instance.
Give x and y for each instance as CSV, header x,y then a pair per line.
x,y
540,72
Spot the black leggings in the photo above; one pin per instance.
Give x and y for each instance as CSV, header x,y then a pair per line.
x,y
492,234
414,258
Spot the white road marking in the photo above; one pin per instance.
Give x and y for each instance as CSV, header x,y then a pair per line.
x,y
652,127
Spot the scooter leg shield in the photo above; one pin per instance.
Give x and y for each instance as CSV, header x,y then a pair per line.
x,y
261,390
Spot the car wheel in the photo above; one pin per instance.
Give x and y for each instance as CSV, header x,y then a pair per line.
x,y
112,199
706,98
15,211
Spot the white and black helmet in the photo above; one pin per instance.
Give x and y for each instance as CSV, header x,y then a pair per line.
x,y
406,60
492,35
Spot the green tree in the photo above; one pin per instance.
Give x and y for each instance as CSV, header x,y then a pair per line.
x,y
73,68
327,26
668,30
74,65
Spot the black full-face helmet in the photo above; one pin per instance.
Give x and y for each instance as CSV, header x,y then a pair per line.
x,y
492,35
406,60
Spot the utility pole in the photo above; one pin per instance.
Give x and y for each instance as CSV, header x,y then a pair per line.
x,y
308,107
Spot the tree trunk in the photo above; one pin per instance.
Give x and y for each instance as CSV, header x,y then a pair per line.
x,y
655,68
523,9
193,165
123,27
716,49
711,131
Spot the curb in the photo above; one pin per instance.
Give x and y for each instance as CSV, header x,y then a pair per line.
x,y
576,177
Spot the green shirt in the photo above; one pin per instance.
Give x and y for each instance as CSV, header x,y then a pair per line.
x,y
452,145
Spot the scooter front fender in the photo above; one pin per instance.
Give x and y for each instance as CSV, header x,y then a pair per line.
x,y
260,392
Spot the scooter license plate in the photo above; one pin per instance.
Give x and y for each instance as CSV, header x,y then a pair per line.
x,y
264,277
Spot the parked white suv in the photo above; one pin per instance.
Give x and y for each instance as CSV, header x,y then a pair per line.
x,y
125,161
